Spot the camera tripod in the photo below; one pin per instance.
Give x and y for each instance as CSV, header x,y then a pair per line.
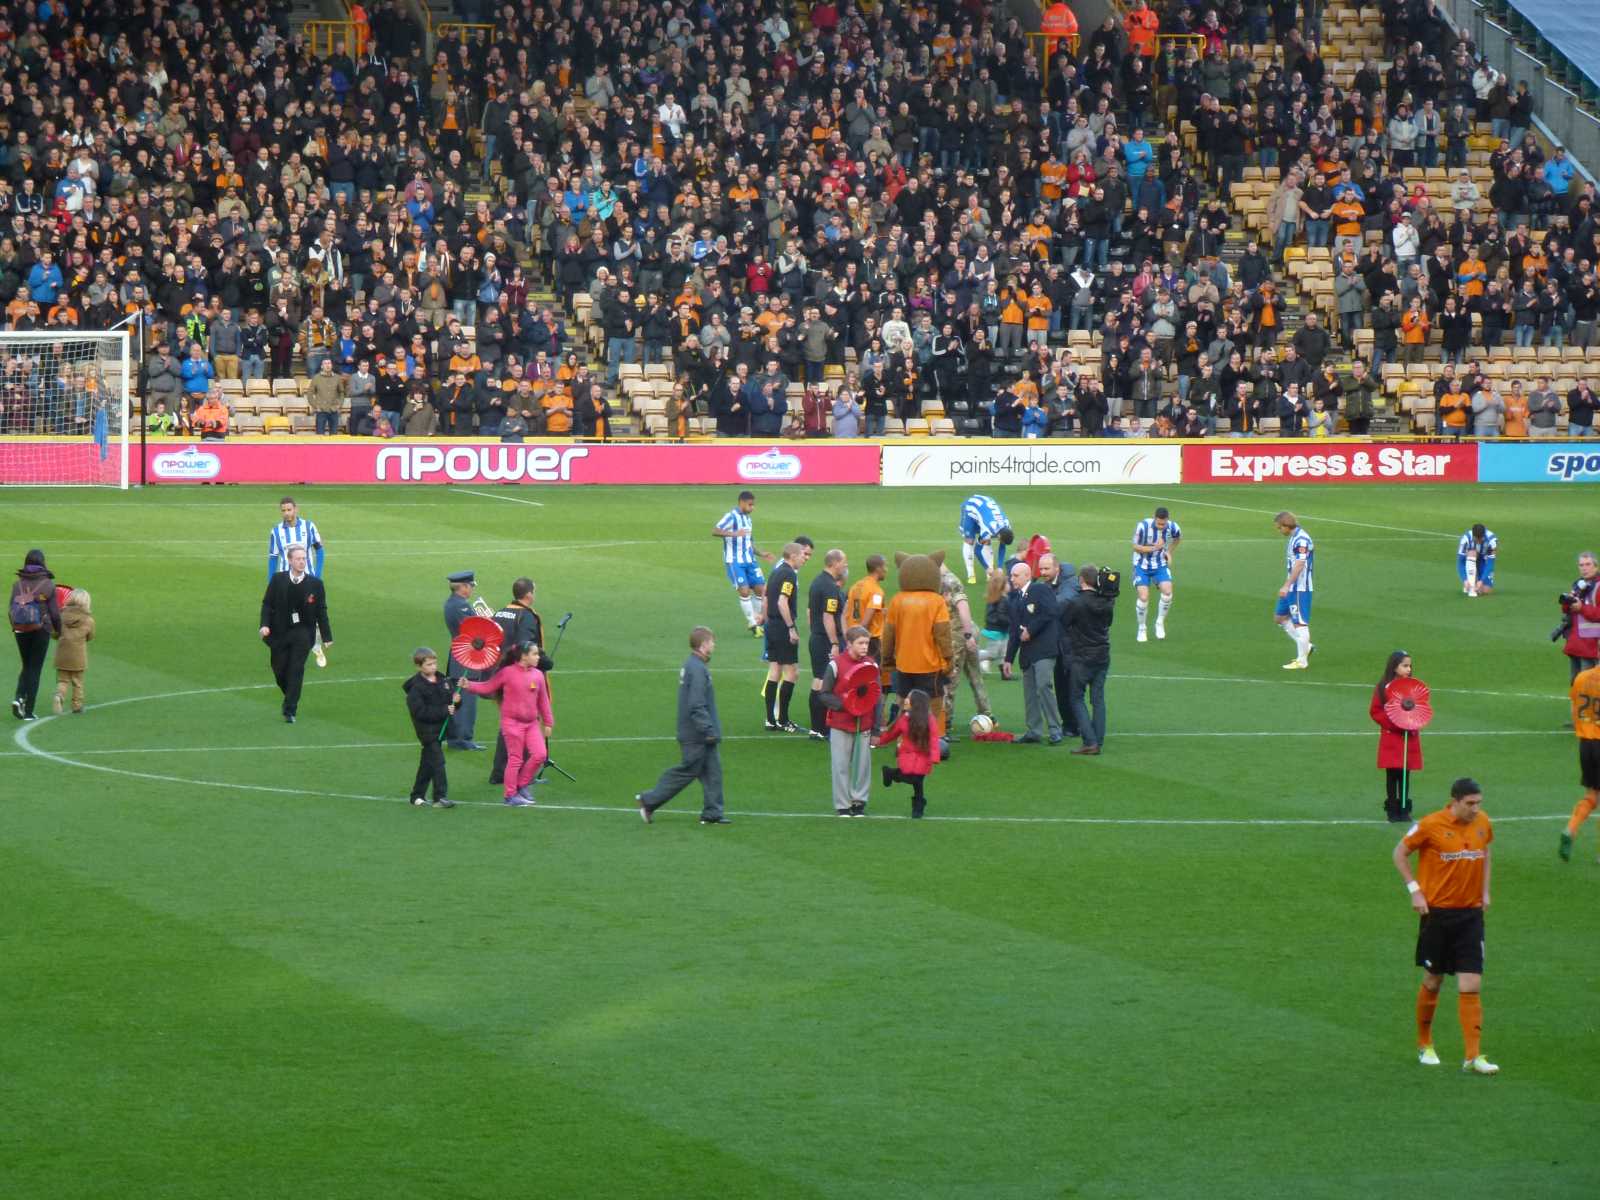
x,y
550,764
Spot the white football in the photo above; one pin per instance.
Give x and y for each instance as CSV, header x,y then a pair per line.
x,y
982,724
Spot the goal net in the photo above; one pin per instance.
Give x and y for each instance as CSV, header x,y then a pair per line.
x,y
64,408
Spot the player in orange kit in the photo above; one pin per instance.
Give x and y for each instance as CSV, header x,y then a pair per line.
x,y
1585,696
1449,893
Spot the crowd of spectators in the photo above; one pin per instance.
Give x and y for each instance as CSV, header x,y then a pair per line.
x,y
905,197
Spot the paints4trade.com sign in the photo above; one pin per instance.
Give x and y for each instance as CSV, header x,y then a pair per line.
x,y
1353,462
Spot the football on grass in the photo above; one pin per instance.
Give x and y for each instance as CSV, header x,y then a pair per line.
x,y
982,724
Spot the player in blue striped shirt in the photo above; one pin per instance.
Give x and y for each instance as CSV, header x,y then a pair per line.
x,y
983,522
295,530
1475,560
742,560
1293,613
1154,540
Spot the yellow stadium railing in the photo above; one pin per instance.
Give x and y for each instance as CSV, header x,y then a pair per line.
x,y
323,36
461,30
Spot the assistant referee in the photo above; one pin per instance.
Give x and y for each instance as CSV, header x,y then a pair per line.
x,y
782,645
824,614
1449,893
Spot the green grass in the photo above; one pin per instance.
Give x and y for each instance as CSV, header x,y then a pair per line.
x,y
234,964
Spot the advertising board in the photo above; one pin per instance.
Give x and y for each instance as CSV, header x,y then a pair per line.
x,y
467,462
1330,462
980,465
1539,462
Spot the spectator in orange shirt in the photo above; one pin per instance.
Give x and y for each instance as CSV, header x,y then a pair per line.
x,y
557,404
1414,328
1454,407
210,419
1141,25
1039,310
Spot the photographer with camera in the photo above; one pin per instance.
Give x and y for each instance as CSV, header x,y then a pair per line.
x,y
1580,616
1088,627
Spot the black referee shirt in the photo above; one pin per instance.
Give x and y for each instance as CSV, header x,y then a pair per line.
x,y
825,596
784,581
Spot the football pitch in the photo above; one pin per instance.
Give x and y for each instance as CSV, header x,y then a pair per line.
x,y
236,964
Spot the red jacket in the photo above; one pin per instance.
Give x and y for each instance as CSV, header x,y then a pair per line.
x,y
910,759
837,718
1585,617
1392,742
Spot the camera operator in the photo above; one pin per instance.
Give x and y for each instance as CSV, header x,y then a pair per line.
x,y
1580,620
1088,628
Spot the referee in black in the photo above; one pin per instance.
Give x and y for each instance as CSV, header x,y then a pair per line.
x,y
825,616
520,625
293,610
782,631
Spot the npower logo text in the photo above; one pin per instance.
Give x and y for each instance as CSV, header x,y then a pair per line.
x,y
189,463
464,464
772,465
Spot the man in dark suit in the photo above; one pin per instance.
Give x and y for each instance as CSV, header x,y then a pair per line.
x,y
458,606
1035,631
293,610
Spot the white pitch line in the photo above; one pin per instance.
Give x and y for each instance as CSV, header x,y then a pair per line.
x,y
976,819
496,496
1267,512
292,748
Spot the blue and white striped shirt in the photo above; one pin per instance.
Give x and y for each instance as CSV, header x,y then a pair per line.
x,y
1300,547
1486,548
741,547
984,515
301,532
1145,533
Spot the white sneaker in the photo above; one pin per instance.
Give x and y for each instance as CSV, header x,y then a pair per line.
x,y
1161,632
1144,636
1471,595
1298,664
316,652
1428,1056
1480,1066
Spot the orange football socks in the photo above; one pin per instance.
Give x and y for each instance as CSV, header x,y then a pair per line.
x,y
1470,1006
1426,1002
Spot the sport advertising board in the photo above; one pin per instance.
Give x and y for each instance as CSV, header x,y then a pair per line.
x,y
1028,464
1340,462
1539,462
466,462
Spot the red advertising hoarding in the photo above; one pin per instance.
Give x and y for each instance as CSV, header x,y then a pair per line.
x,y
1328,462
469,462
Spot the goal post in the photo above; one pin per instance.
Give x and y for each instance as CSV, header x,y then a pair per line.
x,y
66,408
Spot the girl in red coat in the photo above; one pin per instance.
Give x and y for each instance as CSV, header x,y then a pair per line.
x,y
1398,753
918,749
526,720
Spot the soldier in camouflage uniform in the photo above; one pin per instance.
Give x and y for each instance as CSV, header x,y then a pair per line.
x,y
964,633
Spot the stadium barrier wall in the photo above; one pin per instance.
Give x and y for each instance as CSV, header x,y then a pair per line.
x,y
1539,462
1002,463
1330,462
1029,463
464,461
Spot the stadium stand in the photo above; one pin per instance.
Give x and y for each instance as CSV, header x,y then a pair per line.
x,y
762,218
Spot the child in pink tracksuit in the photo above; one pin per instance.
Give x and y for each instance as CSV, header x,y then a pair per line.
x,y
525,720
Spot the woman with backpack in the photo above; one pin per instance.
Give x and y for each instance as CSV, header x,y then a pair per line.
x,y
35,619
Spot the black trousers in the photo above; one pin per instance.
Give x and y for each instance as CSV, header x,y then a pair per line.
x,y
431,767
1069,722
32,648
289,654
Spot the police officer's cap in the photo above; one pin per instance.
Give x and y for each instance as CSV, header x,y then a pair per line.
x,y
463,577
